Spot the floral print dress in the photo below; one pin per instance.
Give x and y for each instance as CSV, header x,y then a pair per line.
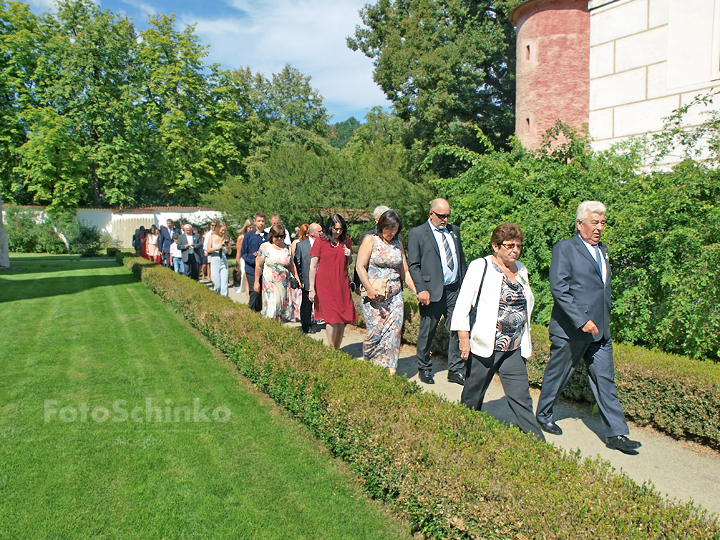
x,y
383,319
276,282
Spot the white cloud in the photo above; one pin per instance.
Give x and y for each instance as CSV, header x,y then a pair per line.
x,y
308,34
142,6
42,5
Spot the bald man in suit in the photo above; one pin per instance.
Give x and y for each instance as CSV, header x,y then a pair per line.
x,y
437,265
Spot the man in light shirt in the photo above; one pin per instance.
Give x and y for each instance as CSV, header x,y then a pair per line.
x,y
302,266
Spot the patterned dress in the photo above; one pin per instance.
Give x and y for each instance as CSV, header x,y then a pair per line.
x,y
384,319
275,282
511,314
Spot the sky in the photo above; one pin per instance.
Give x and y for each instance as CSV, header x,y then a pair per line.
x,y
264,35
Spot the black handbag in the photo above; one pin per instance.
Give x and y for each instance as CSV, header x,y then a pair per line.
x,y
473,310
294,284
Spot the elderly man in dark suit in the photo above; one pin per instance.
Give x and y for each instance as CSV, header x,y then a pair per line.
x,y
437,265
190,246
580,326
302,265
166,240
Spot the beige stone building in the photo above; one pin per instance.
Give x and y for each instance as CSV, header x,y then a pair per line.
x,y
642,59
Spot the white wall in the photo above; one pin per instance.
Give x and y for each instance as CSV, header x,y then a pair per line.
x,y
648,58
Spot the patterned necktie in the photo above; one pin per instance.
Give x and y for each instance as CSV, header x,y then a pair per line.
x,y
448,252
598,259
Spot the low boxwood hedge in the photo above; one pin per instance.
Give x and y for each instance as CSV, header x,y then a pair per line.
x,y
454,473
675,394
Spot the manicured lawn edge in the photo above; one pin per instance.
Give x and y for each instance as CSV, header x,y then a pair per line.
x,y
452,472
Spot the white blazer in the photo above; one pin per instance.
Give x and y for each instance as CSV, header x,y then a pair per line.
x,y
482,337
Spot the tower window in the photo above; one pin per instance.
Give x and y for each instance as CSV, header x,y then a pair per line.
x,y
527,53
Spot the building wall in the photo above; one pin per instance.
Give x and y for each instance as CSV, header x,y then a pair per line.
x,y
553,40
648,58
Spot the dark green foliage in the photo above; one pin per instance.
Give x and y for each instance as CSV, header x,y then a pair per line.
x,y
342,132
26,235
662,233
96,113
454,473
447,66
85,239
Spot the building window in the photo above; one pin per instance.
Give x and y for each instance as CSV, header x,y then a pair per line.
x,y
527,126
527,53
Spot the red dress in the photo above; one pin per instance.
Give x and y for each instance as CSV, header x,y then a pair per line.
x,y
333,300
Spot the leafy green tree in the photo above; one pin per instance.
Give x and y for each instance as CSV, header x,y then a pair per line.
x,y
342,132
19,51
76,150
447,65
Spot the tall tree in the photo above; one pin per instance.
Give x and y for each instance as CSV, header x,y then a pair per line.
x,y
447,65
77,150
19,51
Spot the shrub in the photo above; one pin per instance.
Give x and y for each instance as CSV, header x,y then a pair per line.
x,y
675,394
453,472
27,234
85,239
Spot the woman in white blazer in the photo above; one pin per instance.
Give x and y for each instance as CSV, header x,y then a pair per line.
x,y
499,341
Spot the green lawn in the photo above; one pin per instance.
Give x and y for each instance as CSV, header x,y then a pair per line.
x,y
104,393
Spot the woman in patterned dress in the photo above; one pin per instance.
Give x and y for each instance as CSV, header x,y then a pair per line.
x,y
381,257
275,265
499,341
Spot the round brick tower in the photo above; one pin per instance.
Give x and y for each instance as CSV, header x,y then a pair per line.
x,y
553,66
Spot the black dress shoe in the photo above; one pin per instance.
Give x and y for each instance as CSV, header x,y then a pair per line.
x,y
426,376
550,427
622,443
457,378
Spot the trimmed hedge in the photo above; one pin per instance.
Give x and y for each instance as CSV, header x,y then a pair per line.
x,y
453,472
675,394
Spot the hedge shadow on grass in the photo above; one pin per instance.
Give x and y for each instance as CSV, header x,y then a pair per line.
x,y
58,286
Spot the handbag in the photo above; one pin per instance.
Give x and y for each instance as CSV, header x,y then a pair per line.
x,y
381,286
473,310
294,283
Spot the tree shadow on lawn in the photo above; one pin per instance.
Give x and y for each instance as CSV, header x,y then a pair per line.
x,y
12,290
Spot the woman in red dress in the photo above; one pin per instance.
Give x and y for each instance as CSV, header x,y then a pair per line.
x,y
329,282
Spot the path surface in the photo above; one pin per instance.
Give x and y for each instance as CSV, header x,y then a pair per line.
x,y
682,470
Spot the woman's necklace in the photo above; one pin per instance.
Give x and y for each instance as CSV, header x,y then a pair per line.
x,y
334,244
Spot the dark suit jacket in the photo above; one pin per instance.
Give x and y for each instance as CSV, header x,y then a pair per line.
x,y
579,292
424,260
198,245
302,262
166,238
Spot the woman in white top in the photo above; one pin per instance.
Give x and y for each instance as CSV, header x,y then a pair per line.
x,y
499,341
218,247
151,245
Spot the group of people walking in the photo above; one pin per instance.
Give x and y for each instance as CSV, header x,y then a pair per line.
x,y
486,306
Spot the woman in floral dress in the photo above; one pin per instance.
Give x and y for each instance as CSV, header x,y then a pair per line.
x,y
275,265
381,257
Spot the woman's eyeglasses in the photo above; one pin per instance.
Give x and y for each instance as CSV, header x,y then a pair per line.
x,y
512,245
